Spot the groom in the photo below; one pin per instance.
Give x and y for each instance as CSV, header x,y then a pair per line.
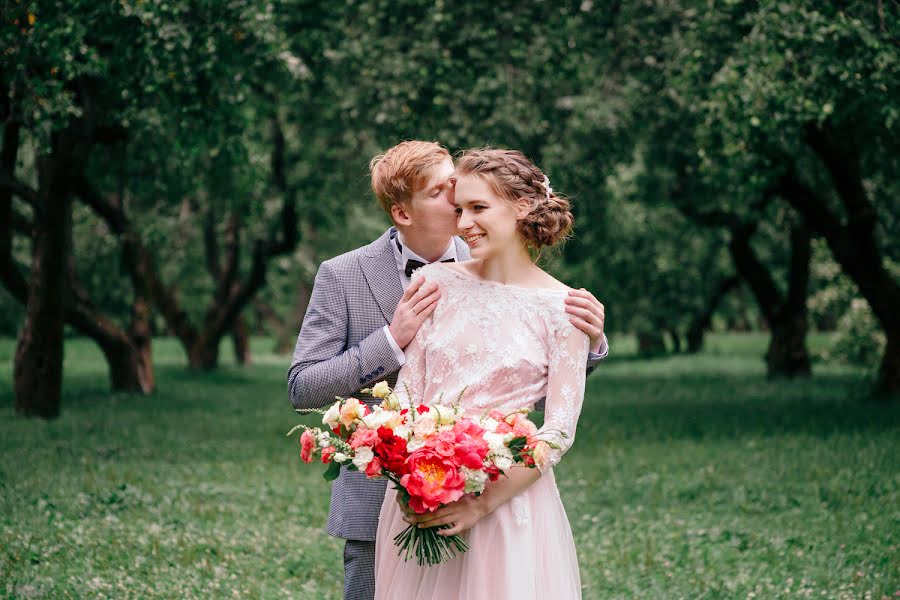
x,y
365,310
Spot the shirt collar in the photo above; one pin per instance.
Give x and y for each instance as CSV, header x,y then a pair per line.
x,y
406,253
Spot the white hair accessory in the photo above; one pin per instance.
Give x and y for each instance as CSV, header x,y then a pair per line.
x,y
546,184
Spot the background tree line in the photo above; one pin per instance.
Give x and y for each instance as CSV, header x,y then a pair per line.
x,y
181,168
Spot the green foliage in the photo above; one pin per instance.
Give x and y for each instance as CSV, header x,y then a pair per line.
x,y
689,477
859,340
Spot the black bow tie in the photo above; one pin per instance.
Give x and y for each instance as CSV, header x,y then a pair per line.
x,y
413,264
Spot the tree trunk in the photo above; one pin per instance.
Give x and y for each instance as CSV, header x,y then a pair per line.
x,y
701,321
676,341
204,354
288,337
39,352
852,243
241,340
786,315
651,343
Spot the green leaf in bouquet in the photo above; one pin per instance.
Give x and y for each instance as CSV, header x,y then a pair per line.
x,y
333,470
517,444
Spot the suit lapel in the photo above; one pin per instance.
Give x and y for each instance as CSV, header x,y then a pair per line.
x,y
379,266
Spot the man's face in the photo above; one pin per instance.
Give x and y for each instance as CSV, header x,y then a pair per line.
x,y
432,207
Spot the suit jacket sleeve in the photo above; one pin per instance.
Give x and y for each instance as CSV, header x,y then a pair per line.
x,y
323,365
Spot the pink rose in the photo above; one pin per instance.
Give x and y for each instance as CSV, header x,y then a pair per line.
x,y
307,445
328,454
363,437
373,469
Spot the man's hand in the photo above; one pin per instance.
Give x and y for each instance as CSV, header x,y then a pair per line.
x,y
418,302
587,314
460,515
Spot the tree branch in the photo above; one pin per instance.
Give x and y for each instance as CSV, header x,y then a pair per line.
x,y
139,261
754,272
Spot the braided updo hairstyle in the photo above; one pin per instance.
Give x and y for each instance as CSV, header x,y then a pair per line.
x,y
512,176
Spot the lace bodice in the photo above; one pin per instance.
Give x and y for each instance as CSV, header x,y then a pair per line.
x,y
506,346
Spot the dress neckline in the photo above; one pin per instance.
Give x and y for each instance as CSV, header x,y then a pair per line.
x,y
479,280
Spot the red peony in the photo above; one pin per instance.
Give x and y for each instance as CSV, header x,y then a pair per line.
x,y
432,480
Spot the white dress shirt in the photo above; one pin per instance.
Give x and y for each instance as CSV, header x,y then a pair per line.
x,y
402,253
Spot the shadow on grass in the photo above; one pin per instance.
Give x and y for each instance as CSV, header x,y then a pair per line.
x,y
718,407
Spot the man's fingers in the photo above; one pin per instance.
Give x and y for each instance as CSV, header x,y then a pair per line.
x,y
583,298
591,331
581,313
425,302
414,286
424,292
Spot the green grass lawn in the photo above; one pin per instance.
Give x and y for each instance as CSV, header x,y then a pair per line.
x,y
691,477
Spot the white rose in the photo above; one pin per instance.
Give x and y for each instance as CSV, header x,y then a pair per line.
x,y
362,458
381,389
444,415
503,461
402,431
414,444
340,457
495,441
489,424
332,416
424,426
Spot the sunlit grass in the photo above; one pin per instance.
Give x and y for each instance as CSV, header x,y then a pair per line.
x,y
691,477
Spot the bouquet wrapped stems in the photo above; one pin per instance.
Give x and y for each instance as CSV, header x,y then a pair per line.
x,y
424,543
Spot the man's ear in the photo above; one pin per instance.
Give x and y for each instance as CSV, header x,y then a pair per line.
x,y
400,216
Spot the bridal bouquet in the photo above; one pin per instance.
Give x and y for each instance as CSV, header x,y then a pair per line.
x,y
432,453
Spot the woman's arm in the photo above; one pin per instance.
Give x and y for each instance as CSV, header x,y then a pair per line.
x,y
565,393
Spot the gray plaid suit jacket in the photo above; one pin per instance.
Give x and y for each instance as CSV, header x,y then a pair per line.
x,y
342,348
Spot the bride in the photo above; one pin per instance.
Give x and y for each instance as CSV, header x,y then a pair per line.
x,y
501,333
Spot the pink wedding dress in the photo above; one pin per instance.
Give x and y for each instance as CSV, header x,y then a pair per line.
x,y
508,347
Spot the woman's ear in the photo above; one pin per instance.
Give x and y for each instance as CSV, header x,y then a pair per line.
x,y
399,215
523,208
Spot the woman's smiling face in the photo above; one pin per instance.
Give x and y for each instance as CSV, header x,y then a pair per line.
x,y
487,222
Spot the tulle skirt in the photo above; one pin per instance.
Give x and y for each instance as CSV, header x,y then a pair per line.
x,y
524,550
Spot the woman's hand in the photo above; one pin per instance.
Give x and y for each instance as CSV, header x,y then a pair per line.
x,y
468,510
460,515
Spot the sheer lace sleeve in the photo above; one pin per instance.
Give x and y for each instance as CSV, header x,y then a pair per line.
x,y
565,387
